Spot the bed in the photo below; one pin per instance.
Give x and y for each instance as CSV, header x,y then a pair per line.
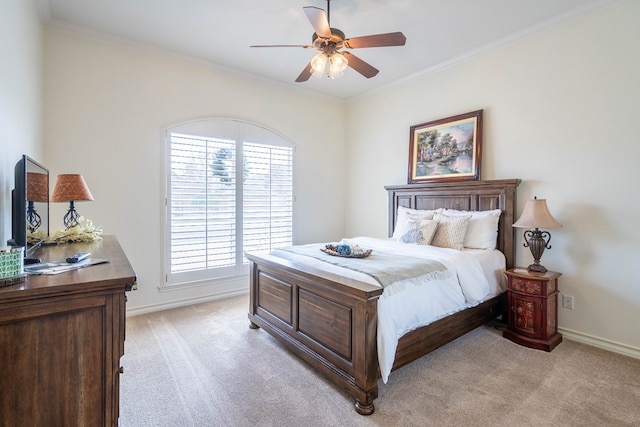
x,y
330,319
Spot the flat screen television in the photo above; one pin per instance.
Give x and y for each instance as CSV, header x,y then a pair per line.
x,y
30,207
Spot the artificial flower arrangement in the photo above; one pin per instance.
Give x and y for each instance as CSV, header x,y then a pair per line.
x,y
84,231
35,236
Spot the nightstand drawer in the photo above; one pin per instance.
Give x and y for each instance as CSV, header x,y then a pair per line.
x,y
544,286
532,287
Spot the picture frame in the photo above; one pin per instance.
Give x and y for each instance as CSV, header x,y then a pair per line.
x,y
446,149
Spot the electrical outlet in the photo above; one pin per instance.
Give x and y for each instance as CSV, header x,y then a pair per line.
x,y
567,302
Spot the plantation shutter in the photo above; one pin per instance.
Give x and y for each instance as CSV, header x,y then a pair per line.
x,y
225,197
268,197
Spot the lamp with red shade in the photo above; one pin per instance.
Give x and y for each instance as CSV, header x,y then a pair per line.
x,y
71,188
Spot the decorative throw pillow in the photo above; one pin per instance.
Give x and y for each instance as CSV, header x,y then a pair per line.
x,y
482,232
451,230
403,216
429,228
411,232
420,231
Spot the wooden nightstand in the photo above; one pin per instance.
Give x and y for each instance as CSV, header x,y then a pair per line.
x,y
533,308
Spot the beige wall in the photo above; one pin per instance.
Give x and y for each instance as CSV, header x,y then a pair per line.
x,y
20,96
559,113
106,107
558,108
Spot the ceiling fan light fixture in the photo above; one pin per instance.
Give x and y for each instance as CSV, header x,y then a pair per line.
x,y
318,64
337,64
330,40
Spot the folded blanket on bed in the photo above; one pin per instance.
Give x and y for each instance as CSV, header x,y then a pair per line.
x,y
385,267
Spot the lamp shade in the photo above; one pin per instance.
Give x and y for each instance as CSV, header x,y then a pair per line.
x,y
536,215
37,187
70,187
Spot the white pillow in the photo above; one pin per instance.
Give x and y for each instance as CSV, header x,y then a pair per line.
x,y
451,230
403,216
482,232
420,231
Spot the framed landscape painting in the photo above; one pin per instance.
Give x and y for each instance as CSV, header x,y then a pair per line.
x,y
446,149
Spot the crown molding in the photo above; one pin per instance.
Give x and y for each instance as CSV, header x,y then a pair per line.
x,y
44,9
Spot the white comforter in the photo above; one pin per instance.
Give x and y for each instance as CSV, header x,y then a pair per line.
x,y
410,304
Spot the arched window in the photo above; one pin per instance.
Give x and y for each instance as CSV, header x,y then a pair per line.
x,y
229,191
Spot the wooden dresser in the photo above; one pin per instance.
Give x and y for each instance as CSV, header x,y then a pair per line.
x,y
61,340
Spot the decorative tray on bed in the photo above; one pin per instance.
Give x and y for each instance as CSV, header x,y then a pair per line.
x,y
346,251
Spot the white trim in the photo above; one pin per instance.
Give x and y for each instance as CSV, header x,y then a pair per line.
x,y
50,21
240,278
112,39
238,132
44,8
151,308
201,123
495,44
604,344
580,337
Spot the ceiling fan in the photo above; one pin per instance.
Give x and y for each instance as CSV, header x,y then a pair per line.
x,y
329,41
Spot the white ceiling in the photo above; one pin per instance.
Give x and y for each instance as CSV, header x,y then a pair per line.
x,y
219,32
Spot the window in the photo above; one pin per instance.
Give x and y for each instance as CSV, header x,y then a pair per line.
x,y
229,191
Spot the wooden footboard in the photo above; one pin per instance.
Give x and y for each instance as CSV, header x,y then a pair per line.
x,y
328,321
331,323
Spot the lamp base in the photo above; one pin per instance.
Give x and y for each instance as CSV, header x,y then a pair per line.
x,y
71,217
537,241
537,268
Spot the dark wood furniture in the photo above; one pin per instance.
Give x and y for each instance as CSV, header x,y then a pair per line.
x,y
61,339
533,308
330,321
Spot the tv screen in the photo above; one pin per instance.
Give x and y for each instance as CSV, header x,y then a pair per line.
x,y
30,208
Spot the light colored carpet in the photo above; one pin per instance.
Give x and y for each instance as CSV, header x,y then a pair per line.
x,y
202,366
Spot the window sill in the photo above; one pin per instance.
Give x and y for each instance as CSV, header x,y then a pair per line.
x,y
204,283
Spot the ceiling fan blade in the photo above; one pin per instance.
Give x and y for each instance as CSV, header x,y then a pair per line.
x,y
319,21
284,45
360,66
376,40
305,74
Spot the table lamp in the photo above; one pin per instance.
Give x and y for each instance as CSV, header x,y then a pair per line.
x,y
71,188
536,215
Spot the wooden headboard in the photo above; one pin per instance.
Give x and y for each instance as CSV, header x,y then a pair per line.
x,y
464,196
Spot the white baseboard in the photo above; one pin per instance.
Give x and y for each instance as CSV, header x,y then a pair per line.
x,y
600,343
566,333
187,301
